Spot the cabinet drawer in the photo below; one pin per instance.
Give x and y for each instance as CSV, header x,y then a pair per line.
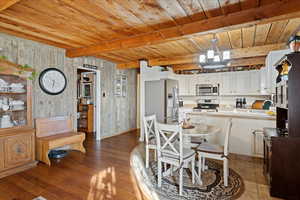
x,y
1,154
18,150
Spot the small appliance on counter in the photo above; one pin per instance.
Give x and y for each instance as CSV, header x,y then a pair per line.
x,y
207,104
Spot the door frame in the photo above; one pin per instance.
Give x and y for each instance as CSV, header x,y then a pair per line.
x,y
97,113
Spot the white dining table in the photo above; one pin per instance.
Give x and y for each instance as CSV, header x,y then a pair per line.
x,y
200,130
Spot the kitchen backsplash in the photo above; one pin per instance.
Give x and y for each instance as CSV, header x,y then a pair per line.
x,y
225,100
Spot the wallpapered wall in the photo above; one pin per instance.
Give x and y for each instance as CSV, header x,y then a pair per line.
x,y
118,114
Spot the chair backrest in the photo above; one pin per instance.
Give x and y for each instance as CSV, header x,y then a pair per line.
x,y
150,127
227,135
52,126
169,141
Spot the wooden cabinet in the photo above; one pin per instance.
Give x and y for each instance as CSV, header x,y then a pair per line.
x,y
86,118
18,150
1,155
17,137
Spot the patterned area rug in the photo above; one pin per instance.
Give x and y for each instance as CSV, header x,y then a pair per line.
x,y
212,188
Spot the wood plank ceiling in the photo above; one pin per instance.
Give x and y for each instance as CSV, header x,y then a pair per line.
x,y
71,24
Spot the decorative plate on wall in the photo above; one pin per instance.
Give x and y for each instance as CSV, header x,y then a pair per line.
x,y
52,81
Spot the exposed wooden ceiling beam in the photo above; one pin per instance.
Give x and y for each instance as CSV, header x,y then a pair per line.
x,y
4,4
191,66
264,14
248,61
235,54
131,65
234,63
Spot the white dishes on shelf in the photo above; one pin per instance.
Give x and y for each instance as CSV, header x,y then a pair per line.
x,y
6,122
14,87
17,87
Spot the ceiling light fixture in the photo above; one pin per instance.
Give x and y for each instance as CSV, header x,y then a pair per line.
x,y
214,56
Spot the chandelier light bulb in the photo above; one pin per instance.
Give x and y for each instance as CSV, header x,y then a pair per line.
x,y
202,58
216,58
226,55
210,54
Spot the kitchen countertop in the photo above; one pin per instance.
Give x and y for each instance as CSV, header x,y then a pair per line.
x,y
247,114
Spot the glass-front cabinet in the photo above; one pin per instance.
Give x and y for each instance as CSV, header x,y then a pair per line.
x,y
14,101
17,135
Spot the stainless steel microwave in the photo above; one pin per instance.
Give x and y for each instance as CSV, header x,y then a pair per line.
x,y
207,89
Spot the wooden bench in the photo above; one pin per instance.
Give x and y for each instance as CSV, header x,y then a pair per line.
x,y
56,132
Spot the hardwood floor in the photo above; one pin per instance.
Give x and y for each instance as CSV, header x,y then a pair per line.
x,y
104,173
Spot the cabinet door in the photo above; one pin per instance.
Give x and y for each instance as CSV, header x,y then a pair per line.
x,y
181,85
1,154
255,82
18,150
242,82
193,80
232,82
225,86
263,81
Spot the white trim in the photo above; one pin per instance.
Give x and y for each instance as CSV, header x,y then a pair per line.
x,y
98,100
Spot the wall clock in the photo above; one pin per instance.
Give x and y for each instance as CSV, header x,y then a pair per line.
x,y
52,81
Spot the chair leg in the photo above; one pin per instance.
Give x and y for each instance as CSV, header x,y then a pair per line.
x,y
193,171
159,173
203,164
147,157
180,181
199,167
226,170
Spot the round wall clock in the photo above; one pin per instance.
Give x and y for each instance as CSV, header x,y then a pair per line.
x,y
52,81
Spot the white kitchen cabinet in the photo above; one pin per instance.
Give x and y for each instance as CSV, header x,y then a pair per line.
x,y
264,81
242,141
228,83
184,86
242,82
193,81
254,76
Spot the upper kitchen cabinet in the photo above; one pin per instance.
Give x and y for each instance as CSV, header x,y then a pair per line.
x,y
184,85
228,83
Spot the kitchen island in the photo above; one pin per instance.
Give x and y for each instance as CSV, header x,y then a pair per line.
x,y
246,136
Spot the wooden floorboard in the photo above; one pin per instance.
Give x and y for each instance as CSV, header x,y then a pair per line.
x,y
102,173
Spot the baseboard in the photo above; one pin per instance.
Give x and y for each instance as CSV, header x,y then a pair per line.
x,y
124,132
18,169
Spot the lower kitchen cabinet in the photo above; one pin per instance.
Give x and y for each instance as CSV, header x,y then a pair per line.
x,y
17,151
242,141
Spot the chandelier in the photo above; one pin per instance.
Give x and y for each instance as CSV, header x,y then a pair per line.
x,y
214,58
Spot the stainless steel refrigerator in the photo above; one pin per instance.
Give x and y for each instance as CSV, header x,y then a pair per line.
x,y
161,98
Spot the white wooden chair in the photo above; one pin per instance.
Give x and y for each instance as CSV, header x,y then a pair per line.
x,y
206,150
170,150
150,136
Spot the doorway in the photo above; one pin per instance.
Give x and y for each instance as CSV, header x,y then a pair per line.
x,y
88,101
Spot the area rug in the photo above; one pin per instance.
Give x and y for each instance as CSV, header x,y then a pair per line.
x,y
212,188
